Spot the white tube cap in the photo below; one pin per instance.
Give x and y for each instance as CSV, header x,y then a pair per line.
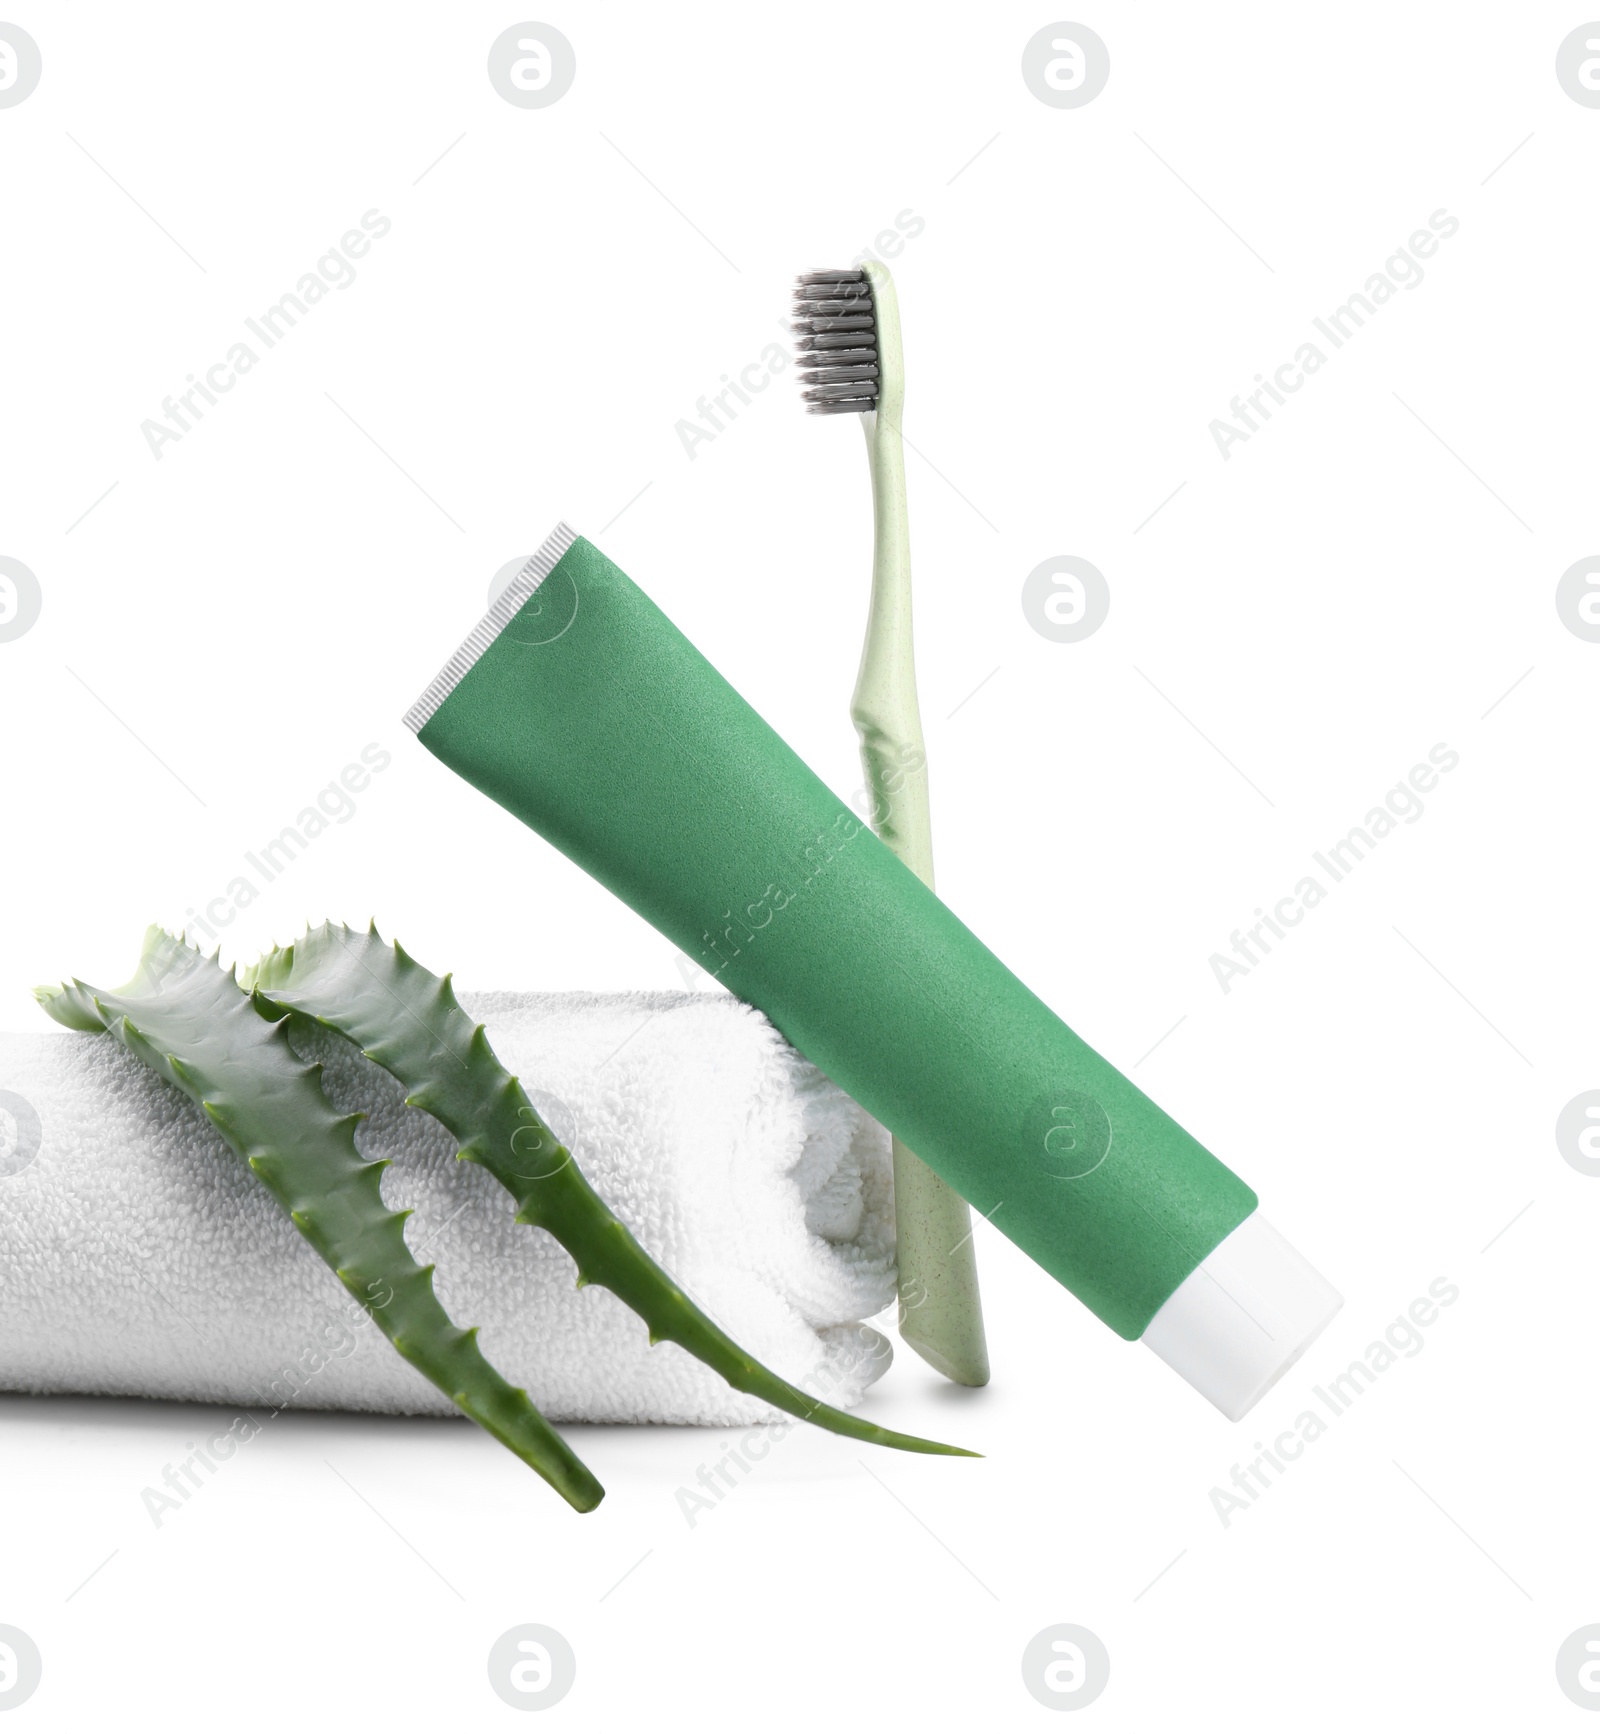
x,y
1237,1323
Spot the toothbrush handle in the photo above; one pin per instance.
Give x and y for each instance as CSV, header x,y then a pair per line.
x,y
941,1313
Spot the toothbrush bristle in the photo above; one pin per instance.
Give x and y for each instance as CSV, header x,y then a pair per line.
x,y
836,338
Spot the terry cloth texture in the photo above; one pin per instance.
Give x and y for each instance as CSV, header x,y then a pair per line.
x,y
139,1255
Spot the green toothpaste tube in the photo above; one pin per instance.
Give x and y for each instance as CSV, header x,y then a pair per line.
x,y
578,706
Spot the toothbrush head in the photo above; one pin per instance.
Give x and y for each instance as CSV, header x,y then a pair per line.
x,y
836,337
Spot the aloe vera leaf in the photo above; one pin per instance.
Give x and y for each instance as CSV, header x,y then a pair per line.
x,y
409,1021
193,1025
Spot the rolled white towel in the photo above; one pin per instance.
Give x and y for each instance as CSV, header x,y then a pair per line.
x,y
139,1255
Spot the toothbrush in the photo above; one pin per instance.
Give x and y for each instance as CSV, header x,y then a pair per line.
x,y
847,334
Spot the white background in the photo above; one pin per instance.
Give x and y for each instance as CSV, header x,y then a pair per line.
x,y
1339,595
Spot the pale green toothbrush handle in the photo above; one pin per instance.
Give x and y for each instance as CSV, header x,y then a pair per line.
x,y
941,1313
